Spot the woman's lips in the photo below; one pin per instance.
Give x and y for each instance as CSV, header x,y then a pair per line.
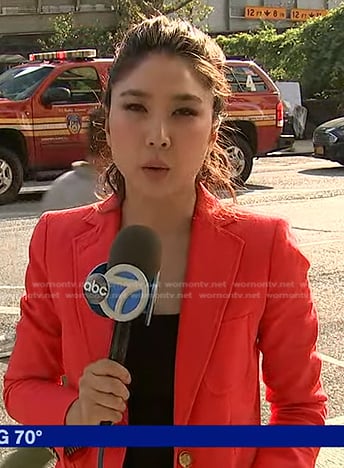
x,y
155,172
156,168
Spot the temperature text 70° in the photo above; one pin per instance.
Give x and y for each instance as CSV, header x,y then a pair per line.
x,y
19,437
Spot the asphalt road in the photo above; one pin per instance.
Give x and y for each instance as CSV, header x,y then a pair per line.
x,y
306,191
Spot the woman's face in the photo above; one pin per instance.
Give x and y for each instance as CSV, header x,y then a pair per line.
x,y
160,126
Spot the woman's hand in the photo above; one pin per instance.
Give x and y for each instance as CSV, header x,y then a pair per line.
x,y
103,394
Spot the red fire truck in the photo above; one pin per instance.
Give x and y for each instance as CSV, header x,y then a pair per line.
x,y
45,104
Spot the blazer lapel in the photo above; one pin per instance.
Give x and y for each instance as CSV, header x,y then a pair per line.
x,y
90,249
214,258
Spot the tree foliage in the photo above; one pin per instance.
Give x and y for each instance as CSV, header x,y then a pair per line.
x,y
67,35
310,53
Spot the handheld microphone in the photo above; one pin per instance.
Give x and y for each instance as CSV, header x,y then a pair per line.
x,y
126,286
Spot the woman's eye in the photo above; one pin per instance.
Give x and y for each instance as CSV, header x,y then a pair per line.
x,y
185,111
134,107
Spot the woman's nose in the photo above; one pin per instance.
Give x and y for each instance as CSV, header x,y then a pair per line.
x,y
158,137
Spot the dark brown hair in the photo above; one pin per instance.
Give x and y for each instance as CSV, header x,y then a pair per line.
x,y
179,38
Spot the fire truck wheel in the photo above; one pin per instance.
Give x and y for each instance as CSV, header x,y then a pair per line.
x,y
11,176
240,155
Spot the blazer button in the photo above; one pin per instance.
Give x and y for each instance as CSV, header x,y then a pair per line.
x,y
185,459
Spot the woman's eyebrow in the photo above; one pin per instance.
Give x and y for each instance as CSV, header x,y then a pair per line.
x,y
175,97
187,97
135,93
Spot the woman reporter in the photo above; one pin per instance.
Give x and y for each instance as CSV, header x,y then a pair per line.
x,y
232,284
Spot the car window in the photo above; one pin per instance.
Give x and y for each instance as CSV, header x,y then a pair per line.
x,y
245,80
21,82
83,83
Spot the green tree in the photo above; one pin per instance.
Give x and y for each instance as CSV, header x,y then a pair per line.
x,y
323,40
68,36
125,13
274,52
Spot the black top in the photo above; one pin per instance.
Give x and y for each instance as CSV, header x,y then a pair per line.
x,y
150,361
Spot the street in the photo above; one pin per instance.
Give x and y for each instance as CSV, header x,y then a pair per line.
x,y
306,191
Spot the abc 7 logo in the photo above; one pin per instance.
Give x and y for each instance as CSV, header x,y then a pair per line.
x,y
122,293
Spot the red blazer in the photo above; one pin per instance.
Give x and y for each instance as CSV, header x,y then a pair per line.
x,y
250,293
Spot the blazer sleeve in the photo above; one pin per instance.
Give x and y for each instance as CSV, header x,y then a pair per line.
x,y
33,393
287,339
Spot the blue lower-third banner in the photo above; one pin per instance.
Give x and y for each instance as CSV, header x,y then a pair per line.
x,y
171,436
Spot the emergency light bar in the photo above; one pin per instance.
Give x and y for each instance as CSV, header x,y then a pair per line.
x,y
64,55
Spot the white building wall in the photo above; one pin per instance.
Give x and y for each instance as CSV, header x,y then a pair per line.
x,y
311,4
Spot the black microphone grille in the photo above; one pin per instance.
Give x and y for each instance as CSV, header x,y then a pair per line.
x,y
139,246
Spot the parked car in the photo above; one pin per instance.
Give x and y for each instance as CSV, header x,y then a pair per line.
x,y
328,141
255,116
